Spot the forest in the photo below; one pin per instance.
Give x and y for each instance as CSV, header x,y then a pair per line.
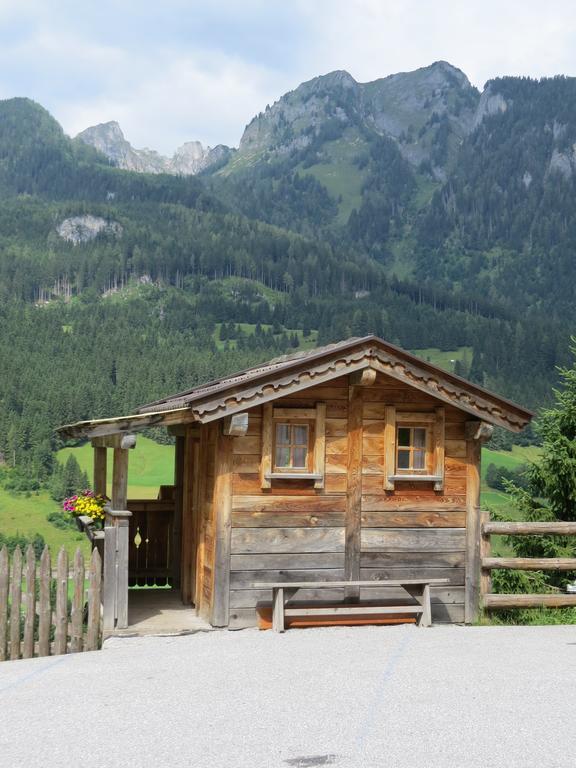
x,y
154,302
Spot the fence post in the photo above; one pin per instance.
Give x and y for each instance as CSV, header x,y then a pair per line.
x,y
61,630
44,610
30,573
4,572
485,551
15,601
77,604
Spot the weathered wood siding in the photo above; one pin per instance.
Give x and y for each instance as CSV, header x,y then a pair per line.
x,y
413,530
294,531
291,531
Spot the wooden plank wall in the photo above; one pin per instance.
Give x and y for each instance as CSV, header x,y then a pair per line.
x,y
414,531
295,532
291,531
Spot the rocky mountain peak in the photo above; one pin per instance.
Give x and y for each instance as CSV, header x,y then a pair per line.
x,y
189,159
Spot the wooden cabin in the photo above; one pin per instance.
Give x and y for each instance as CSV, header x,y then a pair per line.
x,y
355,460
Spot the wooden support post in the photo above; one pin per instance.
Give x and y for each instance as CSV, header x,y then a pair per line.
x,y
222,531
122,534
354,492
120,479
179,451
199,501
472,579
116,532
99,470
109,593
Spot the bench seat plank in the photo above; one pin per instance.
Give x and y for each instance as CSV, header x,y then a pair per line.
x,y
328,584
350,610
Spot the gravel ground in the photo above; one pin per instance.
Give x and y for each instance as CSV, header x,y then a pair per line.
x,y
367,696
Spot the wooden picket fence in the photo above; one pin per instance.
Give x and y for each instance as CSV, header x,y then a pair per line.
x,y
37,617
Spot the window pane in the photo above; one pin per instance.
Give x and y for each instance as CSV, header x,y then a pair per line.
x,y
299,457
300,434
403,436
419,437
419,458
403,459
283,434
282,456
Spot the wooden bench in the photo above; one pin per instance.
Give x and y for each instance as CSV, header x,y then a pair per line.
x,y
419,589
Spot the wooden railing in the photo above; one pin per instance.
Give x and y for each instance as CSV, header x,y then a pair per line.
x,y
153,547
44,613
491,600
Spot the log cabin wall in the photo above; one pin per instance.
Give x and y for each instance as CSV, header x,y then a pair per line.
x,y
414,531
291,531
353,527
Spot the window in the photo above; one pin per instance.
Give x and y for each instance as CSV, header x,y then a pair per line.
x,y
411,449
291,446
414,447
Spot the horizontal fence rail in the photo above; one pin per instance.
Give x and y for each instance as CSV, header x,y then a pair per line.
x,y
491,600
44,613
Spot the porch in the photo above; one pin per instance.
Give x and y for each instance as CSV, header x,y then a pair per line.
x,y
145,589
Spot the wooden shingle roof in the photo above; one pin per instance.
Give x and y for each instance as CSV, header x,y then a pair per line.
x,y
291,373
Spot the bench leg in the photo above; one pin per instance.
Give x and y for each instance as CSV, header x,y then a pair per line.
x,y
421,593
278,609
426,620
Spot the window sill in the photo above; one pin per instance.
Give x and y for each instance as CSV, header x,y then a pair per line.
x,y
416,478
293,476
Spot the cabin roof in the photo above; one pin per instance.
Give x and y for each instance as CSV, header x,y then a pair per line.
x,y
292,373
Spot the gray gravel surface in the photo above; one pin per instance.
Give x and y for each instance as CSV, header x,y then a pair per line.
x,y
364,696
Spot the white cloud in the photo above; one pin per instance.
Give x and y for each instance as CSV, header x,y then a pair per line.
x,y
485,39
207,98
210,69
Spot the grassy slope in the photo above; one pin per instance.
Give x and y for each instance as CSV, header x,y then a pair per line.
x,y
340,174
151,465
27,516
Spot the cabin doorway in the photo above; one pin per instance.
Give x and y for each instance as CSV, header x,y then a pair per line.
x,y
161,574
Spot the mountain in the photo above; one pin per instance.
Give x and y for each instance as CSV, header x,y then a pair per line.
x,y
413,108
413,207
189,159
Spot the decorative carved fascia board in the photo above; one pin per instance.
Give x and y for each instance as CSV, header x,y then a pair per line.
x,y
340,365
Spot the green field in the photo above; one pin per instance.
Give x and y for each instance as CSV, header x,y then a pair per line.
x,y
446,359
151,465
248,329
26,515
340,173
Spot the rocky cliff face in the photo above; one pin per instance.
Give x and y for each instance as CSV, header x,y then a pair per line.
x,y
427,112
189,159
82,229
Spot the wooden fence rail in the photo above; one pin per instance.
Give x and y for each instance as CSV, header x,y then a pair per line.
x,y
43,614
491,600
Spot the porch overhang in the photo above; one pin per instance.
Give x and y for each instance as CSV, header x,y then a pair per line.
x,y
118,425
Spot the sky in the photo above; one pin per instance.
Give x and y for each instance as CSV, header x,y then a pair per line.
x,y
171,71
